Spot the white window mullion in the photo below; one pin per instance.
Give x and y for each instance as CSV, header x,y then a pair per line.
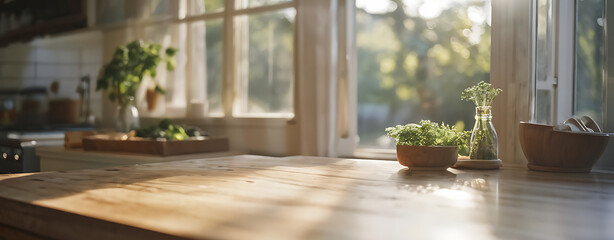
x,y
347,100
197,69
229,60
565,59
241,47
316,77
177,105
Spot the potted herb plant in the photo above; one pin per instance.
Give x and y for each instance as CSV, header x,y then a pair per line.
x,y
122,76
484,141
427,145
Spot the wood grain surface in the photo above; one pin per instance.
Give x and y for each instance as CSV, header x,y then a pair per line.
x,y
253,197
511,71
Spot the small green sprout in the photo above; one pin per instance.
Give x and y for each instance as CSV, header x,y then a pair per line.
x,y
482,94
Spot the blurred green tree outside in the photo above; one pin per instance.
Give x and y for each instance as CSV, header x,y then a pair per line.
x,y
214,38
265,51
589,59
415,57
271,62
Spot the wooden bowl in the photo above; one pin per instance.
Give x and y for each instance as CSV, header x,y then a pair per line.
x,y
558,151
427,157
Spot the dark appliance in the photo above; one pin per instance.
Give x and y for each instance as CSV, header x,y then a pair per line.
x,y
17,145
18,156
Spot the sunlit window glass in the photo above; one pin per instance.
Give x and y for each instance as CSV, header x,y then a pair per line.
x,y
589,59
197,7
414,60
265,62
207,64
544,62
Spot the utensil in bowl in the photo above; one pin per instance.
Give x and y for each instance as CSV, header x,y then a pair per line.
x,y
590,123
576,125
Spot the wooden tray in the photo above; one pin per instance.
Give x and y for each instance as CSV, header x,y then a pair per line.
x,y
108,143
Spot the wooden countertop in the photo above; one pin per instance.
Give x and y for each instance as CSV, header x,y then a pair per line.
x,y
58,158
252,197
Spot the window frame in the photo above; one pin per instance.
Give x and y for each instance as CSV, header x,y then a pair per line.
x,y
505,16
229,79
178,14
562,60
324,121
306,132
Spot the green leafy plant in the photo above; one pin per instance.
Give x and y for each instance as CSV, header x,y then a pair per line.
x,y
129,65
481,94
168,130
427,133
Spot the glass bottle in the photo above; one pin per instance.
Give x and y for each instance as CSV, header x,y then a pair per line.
x,y
127,116
484,141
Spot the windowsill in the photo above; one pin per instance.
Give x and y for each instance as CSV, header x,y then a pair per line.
x,y
288,116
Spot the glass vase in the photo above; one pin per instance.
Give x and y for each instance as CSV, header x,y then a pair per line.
x,y
484,141
127,116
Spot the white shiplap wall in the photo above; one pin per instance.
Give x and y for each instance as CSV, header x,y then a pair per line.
x,y
64,58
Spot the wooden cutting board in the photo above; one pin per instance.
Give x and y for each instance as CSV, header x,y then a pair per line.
x,y
107,143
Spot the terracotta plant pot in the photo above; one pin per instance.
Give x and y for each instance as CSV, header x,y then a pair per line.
x,y
427,157
152,99
556,151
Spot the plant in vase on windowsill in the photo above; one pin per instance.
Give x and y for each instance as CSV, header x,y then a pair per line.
x,y
427,145
483,146
123,75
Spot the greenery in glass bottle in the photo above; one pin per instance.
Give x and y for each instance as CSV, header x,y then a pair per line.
x,y
484,140
427,133
482,94
129,65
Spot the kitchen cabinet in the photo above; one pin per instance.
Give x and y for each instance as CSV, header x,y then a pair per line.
x,y
26,19
256,197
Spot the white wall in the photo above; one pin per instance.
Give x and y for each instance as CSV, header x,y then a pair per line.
x,y
64,58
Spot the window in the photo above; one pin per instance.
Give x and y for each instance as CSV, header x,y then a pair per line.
x,y
545,80
251,75
264,66
414,58
235,58
573,76
570,54
206,56
207,63
363,65
589,60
